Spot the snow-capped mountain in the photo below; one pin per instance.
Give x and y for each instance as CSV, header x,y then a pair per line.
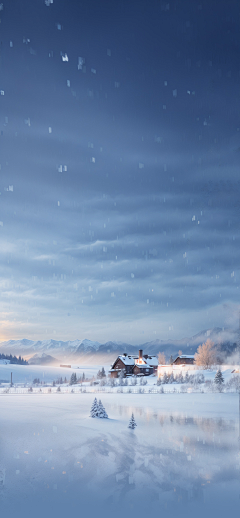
x,y
87,349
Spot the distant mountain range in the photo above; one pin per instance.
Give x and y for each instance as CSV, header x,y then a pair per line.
x,y
88,350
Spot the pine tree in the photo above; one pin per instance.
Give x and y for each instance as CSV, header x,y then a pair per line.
x,y
103,373
94,410
101,410
219,379
132,423
73,379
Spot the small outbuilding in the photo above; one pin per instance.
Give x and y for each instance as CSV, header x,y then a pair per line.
x,y
184,359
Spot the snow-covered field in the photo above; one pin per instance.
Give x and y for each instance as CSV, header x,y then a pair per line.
x,y
181,460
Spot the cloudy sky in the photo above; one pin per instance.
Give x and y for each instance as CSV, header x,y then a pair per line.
x,y
119,180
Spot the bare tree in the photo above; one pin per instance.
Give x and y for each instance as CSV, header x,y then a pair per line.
x,y
179,352
206,355
161,359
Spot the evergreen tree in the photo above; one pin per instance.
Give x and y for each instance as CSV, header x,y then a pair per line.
x,y
180,378
132,423
99,375
165,378
101,410
219,379
73,379
103,373
187,378
94,409
171,360
83,377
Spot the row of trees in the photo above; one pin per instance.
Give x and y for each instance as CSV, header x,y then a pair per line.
x,y
180,378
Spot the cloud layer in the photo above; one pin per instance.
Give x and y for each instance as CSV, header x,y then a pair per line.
x,y
119,177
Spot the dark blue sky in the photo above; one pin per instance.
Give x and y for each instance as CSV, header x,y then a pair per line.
x,y
119,180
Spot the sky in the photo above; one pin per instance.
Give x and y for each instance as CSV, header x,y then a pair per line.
x,y
119,179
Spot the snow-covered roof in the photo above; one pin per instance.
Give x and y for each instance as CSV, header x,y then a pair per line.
x,y
186,356
127,360
152,361
132,359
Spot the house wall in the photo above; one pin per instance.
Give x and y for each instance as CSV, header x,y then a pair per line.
x,y
119,366
144,371
180,361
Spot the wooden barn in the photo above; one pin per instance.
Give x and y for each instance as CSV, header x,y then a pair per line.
x,y
184,359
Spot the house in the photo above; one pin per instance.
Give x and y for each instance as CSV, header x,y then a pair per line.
x,y
134,365
184,359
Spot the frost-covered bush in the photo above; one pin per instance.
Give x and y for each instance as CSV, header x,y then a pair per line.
x,y
199,378
183,389
143,381
162,390
165,378
121,378
209,385
134,381
234,383
103,382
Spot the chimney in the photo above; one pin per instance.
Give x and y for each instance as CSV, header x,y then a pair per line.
x,y
140,354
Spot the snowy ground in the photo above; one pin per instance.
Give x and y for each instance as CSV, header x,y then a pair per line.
x,y
181,460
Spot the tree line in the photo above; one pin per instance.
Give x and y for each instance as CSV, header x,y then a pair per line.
x,y
13,359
